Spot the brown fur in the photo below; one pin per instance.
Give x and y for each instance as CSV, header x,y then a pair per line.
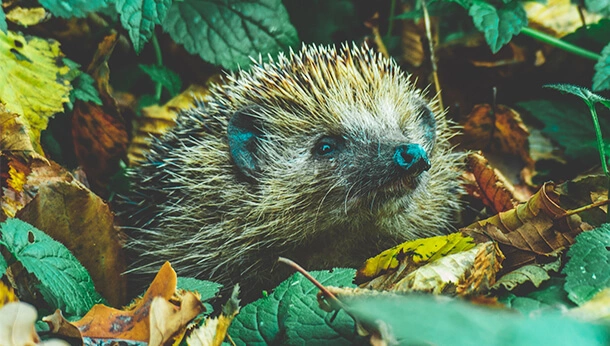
x,y
192,205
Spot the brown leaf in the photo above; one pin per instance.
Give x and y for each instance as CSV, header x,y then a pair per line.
x,y
79,219
498,130
133,324
530,232
100,136
489,185
14,133
59,326
214,331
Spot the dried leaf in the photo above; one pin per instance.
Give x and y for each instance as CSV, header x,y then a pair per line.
x,y
498,130
59,326
530,232
490,186
134,323
156,120
466,273
99,133
558,17
82,221
7,294
408,256
168,322
17,326
27,16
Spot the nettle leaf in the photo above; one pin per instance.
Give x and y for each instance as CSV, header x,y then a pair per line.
x,y
64,282
498,25
229,32
161,74
428,320
139,17
588,270
73,8
291,315
83,85
601,79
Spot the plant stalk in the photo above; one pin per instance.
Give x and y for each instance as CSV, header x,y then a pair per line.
x,y
568,47
600,148
159,57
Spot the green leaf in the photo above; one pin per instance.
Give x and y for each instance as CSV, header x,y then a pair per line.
x,y
588,270
584,93
498,26
290,315
161,74
319,21
428,320
139,18
598,6
601,78
549,296
84,89
3,266
64,282
569,124
3,25
229,32
73,8
206,289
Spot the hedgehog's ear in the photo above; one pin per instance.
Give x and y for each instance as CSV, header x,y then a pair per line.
x,y
243,133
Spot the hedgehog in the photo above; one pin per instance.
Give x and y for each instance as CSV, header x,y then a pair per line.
x,y
325,155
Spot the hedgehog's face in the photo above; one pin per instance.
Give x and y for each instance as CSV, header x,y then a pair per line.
x,y
366,159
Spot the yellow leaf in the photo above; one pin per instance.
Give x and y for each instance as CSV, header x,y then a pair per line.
x,y
418,252
27,16
7,294
32,80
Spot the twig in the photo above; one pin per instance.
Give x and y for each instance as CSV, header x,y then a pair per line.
x,y
437,84
581,209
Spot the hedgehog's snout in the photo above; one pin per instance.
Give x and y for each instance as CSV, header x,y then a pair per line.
x,y
411,159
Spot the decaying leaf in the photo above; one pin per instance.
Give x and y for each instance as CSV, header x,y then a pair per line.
x,y
82,221
7,295
214,331
498,130
99,133
168,322
489,185
156,120
558,17
59,326
17,326
33,81
134,323
411,255
534,273
532,231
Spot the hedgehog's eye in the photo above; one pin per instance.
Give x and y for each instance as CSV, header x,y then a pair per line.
x,y
326,146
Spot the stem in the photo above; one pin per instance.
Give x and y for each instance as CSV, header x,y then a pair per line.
x,y
159,56
437,83
391,19
568,47
600,148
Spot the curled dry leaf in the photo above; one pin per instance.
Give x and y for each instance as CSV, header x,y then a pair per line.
x,y
156,120
134,323
17,326
100,136
489,185
532,231
59,326
168,322
82,221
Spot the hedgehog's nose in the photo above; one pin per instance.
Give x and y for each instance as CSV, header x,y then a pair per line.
x,y
411,158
